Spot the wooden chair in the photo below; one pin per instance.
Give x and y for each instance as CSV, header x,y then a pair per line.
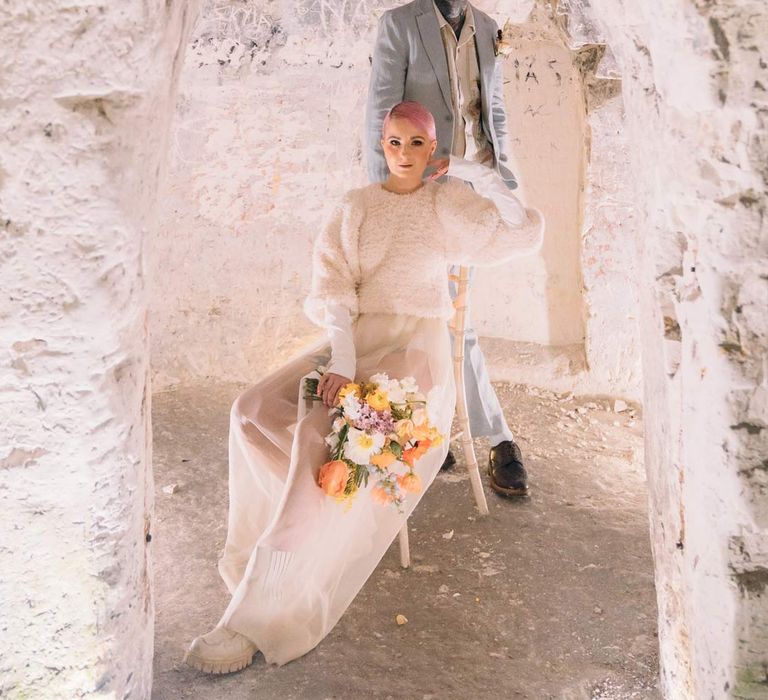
x,y
464,436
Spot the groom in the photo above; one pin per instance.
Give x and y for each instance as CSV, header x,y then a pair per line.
x,y
441,53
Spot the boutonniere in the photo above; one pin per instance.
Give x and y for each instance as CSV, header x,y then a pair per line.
x,y
502,44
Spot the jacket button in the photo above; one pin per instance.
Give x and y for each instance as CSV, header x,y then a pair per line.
x,y
448,117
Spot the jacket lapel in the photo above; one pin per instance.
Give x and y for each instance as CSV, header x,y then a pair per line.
x,y
429,30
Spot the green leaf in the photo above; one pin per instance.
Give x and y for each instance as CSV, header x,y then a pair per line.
x,y
342,440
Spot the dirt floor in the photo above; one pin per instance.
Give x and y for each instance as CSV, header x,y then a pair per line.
x,y
551,597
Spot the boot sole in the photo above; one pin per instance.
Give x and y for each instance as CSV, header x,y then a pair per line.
x,y
504,491
218,667
509,493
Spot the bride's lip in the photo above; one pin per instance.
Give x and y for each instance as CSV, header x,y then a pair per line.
x,y
405,165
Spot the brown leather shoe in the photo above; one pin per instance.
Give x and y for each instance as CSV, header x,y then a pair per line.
x,y
505,467
449,462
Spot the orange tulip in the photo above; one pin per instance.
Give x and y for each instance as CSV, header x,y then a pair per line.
x,y
333,478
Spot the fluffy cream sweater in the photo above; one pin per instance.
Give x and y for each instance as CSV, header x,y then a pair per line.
x,y
382,252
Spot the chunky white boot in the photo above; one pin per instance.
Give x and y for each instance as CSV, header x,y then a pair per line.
x,y
220,651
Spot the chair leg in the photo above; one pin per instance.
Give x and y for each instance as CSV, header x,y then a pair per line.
x,y
459,324
405,549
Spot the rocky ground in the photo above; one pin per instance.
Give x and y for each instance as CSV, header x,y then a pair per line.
x,y
551,597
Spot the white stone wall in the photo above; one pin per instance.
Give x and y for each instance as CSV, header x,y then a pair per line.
x,y
694,78
86,94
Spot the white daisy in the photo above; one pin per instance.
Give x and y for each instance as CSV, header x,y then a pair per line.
x,y
360,445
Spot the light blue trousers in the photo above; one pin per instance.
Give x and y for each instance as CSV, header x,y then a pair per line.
x,y
486,418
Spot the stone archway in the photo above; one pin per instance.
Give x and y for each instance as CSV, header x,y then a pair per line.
x,y
77,174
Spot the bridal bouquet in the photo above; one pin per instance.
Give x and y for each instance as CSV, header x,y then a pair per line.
x,y
381,428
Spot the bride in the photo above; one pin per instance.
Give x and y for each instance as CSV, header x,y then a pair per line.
x,y
294,557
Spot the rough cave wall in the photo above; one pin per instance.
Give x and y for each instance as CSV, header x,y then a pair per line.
x,y
694,82
267,135
86,93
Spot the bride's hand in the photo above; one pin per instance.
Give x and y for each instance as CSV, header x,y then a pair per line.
x,y
329,386
441,167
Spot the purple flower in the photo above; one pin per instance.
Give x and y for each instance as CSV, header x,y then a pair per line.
x,y
377,421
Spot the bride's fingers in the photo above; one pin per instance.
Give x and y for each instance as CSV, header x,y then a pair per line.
x,y
331,391
321,384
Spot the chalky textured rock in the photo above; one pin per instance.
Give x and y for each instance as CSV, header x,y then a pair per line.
x,y
87,88
693,88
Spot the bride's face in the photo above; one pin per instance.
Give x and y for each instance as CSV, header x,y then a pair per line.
x,y
407,148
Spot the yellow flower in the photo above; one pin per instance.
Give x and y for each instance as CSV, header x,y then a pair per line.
x,y
383,459
404,429
422,431
378,400
350,388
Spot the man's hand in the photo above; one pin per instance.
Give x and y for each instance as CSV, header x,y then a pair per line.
x,y
441,167
329,386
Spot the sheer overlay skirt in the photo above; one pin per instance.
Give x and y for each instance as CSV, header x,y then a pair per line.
x,y
294,559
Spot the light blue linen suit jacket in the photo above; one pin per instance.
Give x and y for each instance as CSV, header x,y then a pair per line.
x,y
409,63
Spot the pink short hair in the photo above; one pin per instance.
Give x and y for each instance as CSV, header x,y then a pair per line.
x,y
414,112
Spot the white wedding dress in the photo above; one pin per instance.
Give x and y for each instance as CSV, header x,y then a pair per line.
x,y
294,558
